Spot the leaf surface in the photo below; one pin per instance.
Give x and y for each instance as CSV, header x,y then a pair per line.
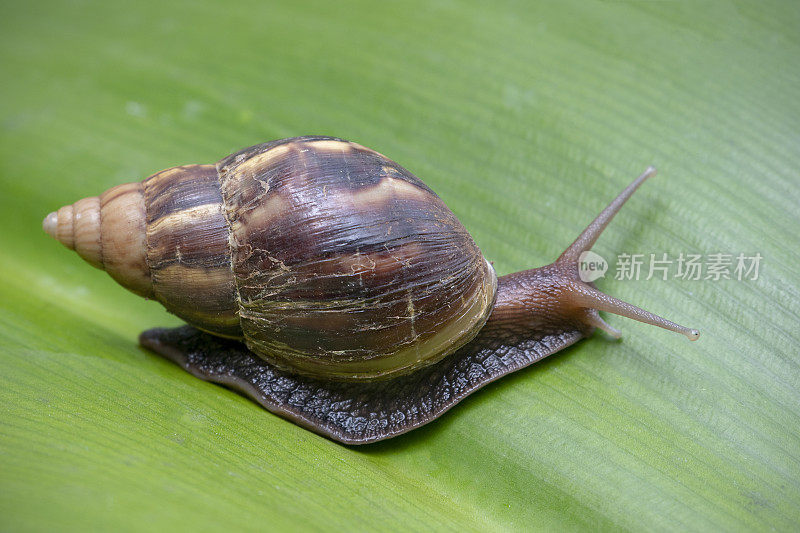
x,y
526,120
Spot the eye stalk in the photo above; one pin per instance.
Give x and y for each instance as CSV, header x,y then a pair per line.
x,y
548,297
591,298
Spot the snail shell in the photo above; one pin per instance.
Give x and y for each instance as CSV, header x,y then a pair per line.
x,y
325,257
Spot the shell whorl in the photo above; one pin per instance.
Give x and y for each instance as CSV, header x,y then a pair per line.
x,y
187,248
163,238
108,232
347,265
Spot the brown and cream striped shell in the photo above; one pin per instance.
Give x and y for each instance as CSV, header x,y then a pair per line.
x,y
325,257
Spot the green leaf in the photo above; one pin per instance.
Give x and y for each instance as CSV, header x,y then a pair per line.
x,y
526,119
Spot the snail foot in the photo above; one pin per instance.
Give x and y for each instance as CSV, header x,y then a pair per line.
x,y
349,412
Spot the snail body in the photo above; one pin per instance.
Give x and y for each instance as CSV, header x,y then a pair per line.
x,y
342,273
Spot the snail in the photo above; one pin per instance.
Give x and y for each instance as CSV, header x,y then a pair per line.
x,y
333,286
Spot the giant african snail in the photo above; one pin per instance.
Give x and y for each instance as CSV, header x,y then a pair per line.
x,y
366,306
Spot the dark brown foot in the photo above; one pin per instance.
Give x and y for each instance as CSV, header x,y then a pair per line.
x,y
351,413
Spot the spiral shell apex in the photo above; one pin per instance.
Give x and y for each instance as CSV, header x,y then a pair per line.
x,y
325,257
107,231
